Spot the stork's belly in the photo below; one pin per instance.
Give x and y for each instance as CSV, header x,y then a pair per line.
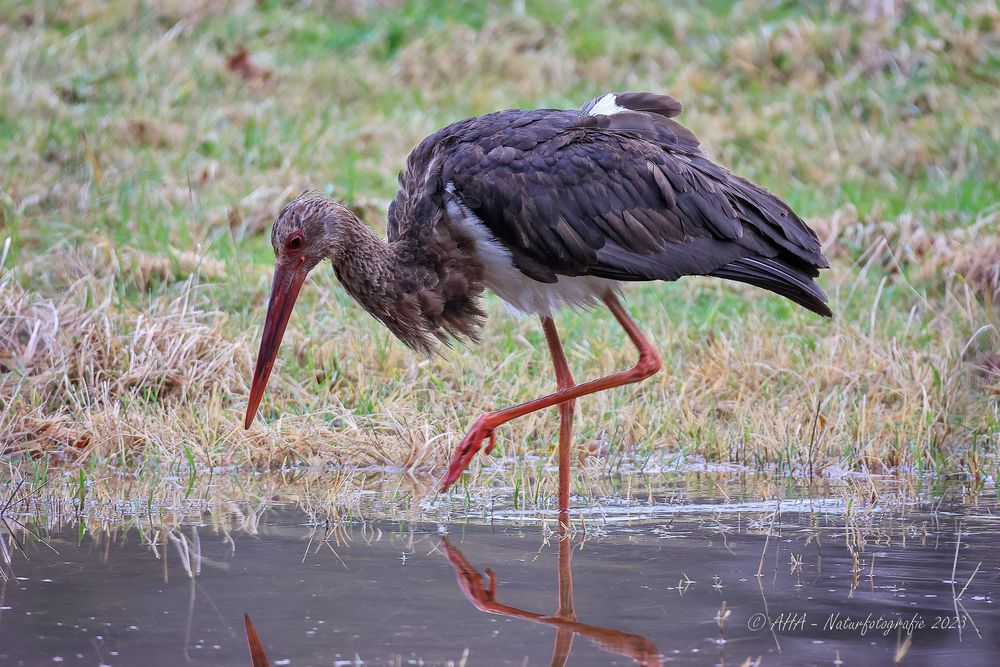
x,y
529,296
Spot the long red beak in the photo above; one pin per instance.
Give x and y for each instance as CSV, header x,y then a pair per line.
x,y
284,290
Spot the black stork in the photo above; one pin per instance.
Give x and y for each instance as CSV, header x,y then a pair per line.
x,y
547,208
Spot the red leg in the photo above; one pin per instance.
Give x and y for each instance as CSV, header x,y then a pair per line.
x,y
564,639
566,608
564,380
649,362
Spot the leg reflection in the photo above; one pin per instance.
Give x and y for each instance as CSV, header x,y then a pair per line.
x,y
484,597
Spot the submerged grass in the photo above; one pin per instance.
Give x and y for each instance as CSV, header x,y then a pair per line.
x,y
144,153
183,545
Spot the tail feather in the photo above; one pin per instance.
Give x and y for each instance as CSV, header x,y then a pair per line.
x,y
781,278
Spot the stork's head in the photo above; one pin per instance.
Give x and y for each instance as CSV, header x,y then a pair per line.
x,y
308,229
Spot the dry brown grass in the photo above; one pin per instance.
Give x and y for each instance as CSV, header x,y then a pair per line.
x,y
146,153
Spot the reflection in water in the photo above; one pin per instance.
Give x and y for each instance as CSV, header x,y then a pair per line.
x,y
564,620
700,580
257,655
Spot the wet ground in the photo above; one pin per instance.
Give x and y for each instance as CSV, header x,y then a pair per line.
x,y
668,579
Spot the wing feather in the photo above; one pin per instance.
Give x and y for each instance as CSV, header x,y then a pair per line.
x,y
625,195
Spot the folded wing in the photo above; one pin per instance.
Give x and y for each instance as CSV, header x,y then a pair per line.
x,y
620,190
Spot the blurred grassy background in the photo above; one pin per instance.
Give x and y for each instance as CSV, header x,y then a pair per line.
x,y
146,147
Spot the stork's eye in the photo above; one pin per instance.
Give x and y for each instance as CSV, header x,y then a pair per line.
x,y
294,243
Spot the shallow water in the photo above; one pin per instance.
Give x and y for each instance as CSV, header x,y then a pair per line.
x,y
632,583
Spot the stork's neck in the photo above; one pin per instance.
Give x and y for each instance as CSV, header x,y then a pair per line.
x,y
360,257
368,268
422,291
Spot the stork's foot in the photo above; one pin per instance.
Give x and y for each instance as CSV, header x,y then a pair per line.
x,y
471,443
484,597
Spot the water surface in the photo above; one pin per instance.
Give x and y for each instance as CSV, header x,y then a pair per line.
x,y
669,579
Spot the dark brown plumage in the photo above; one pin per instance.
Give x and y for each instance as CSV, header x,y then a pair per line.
x,y
546,208
627,196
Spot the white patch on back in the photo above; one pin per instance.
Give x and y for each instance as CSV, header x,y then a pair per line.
x,y
606,106
523,294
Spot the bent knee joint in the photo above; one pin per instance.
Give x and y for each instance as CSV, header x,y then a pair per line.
x,y
648,364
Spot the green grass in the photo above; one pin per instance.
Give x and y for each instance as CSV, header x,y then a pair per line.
x,y
139,175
